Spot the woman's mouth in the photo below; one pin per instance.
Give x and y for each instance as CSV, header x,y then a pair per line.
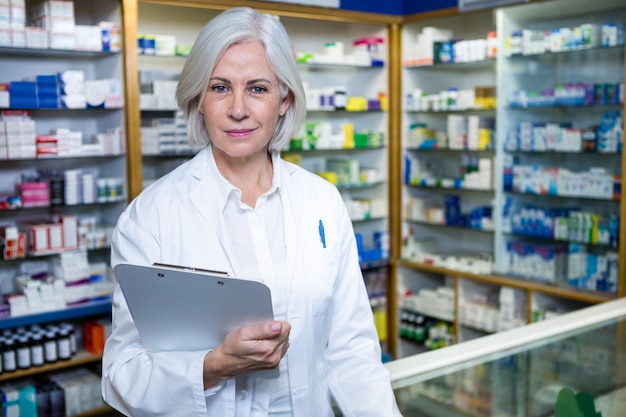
x,y
239,133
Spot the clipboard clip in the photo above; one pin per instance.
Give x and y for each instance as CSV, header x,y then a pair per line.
x,y
190,268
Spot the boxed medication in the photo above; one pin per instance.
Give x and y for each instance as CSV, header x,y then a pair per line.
x,y
18,34
110,33
87,38
165,45
106,93
36,37
5,33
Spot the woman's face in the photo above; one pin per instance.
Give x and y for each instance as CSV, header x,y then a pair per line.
x,y
242,104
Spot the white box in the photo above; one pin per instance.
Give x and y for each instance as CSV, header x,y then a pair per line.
x,y
70,232
37,37
87,38
55,237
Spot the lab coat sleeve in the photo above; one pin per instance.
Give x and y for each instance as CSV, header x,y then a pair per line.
x,y
135,382
358,380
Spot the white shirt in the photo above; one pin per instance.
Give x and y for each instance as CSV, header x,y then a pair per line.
x,y
258,235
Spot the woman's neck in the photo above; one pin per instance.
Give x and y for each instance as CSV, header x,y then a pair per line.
x,y
252,175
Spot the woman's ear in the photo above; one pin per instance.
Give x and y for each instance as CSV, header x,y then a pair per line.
x,y
200,109
284,105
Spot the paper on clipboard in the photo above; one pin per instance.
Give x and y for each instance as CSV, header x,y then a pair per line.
x,y
184,309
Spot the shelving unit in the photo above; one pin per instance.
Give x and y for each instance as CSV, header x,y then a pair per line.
x,y
553,70
25,63
367,198
169,20
18,64
431,269
436,155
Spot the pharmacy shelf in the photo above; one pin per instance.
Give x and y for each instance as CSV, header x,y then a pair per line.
x,y
568,197
551,239
451,188
454,66
549,70
528,72
436,174
450,226
67,53
22,63
94,308
590,297
100,411
565,152
311,66
81,358
453,111
450,150
104,249
60,207
551,55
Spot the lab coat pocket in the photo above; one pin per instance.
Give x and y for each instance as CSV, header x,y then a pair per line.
x,y
321,274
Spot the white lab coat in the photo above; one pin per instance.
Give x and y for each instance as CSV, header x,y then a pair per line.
x,y
333,342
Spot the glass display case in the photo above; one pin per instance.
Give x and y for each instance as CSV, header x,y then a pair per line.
x,y
573,365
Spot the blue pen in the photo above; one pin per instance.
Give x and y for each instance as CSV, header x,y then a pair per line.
x,y
322,235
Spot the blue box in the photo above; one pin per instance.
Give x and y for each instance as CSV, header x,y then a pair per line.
x,y
368,255
452,209
46,79
22,102
47,90
10,400
22,88
48,103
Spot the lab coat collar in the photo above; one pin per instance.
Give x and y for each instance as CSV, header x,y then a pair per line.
x,y
211,186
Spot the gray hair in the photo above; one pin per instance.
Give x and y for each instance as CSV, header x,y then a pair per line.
x,y
237,25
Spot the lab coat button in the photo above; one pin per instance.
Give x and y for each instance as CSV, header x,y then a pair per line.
x,y
242,395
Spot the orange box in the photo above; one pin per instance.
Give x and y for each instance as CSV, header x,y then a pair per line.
x,y
93,337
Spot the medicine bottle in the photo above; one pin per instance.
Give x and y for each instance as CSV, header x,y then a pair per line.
x,y
9,362
64,349
22,349
36,349
50,346
72,335
340,97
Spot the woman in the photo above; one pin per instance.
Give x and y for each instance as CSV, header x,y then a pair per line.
x,y
238,207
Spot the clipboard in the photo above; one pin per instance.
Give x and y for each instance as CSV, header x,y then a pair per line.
x,y
186,309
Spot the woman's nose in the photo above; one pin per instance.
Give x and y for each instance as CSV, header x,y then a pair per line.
x,y
238,107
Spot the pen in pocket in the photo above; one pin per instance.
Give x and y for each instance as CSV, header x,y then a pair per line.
x,y
322,235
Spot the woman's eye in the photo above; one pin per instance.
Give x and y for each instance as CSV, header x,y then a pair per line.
x,y
219,88
258,89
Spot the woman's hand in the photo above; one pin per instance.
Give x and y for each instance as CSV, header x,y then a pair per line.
x,y
246,350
